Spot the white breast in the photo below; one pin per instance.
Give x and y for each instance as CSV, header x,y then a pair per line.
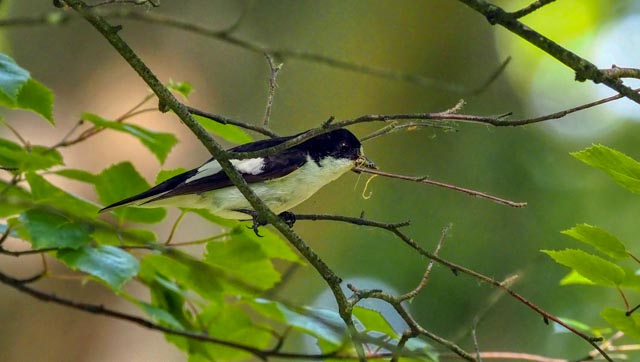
x,y
279,194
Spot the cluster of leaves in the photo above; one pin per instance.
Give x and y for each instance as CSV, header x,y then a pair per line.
x,y
610,266
217,293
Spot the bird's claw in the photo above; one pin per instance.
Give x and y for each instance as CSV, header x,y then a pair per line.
x,y
289,218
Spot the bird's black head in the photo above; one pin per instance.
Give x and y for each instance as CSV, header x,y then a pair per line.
x,y
338,144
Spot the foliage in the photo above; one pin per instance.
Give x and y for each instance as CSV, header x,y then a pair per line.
x,y
612,265
218,293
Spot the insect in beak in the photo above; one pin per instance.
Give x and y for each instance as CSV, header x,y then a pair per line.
x,y
365,162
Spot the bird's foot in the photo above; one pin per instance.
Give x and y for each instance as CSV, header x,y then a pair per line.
x,y
288,217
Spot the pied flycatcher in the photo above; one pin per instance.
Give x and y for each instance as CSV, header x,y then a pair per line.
x,y
282,180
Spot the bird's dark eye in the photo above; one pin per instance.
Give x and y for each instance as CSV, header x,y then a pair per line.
x,y
344,146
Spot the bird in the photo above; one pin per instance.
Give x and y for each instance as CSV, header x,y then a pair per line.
x,y
281,180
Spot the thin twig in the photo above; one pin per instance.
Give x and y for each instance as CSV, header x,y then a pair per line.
x,y
275,69
15,132
442,184
21,286
583,68
425,277
166,98
175,226
226,35
130,2
226,120
530,8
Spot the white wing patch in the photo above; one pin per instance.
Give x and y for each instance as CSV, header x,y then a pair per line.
x,y
251,166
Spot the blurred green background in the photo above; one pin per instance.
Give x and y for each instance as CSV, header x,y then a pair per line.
x,y
439,39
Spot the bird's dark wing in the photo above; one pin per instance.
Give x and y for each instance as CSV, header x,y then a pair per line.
x,y
159,189
274,166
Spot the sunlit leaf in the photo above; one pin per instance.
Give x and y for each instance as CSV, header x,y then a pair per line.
x,y
110,264
622,168
121,181
599,239
630,325
229,132
159,143
49,229
575,278
594,268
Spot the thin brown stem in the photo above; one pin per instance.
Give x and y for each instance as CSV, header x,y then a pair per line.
x,y
275,69
424,180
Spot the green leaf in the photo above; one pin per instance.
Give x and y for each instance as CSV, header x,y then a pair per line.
x,y
35,158
108,263
78,175
158,314
243,259
121,181
324,324
12,77
575,278
232,323
630,325
164,175
594,268
49,229
44,193
229,132
622,168
13,199
184,88
599,239
372,320
631,278
159,143
271,243
35,96
110,236
187,272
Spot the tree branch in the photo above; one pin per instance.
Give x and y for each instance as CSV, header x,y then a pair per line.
x,y
424,180
166,98
583,68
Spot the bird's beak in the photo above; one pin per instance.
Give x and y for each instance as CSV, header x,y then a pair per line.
x,y
365,162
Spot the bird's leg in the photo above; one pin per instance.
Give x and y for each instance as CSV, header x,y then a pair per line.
x,y
256,219
288,217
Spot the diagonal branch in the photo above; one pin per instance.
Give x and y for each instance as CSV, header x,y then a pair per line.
x,y
166,98
583,68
